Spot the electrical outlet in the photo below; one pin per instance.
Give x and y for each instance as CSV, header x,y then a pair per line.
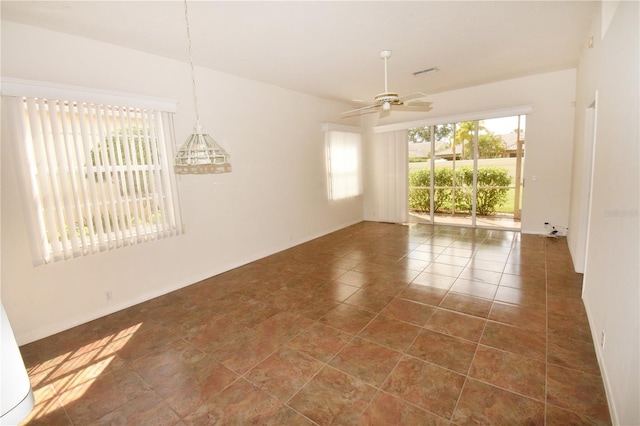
x,y
602,338
108,295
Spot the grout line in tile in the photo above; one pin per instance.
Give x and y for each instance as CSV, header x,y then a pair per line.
x,y
378,314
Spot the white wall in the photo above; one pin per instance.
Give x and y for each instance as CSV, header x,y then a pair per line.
x,y
549,139
612,274
275,197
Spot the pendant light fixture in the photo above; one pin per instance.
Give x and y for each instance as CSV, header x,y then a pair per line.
x,y
200,154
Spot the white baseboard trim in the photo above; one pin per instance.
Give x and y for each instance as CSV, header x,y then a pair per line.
x,y
52,329
603,370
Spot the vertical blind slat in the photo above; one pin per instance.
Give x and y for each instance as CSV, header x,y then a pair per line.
x,y
131,156
162,191
149,136
108,206
143,176
93,176
78,181
86,198
38,237
167,146
75,232
122,173
43,170
65,207
157,181
122,176
115,138
111,143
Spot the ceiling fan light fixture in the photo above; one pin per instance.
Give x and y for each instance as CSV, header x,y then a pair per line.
x,y
200,154
386,101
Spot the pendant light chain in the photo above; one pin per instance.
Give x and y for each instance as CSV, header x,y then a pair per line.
x,y
200,153
193,73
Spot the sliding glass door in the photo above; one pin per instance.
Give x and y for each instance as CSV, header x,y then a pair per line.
x,y
467,173
499,172
453,165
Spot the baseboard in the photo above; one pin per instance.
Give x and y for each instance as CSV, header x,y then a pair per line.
x,y
52,329
603,370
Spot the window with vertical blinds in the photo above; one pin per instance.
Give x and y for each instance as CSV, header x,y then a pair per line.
x,y
94,176
344,163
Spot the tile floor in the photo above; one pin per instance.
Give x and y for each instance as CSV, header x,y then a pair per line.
x,y
374,324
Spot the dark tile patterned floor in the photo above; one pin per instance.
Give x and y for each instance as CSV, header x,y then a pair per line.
x,y
374,324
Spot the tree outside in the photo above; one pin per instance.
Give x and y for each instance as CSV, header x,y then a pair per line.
x,y
490,145
423,134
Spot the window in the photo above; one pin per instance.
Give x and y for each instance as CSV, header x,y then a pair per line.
x,y
344,163
94,176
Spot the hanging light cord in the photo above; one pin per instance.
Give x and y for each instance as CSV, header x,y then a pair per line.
x,y
193,74
200,153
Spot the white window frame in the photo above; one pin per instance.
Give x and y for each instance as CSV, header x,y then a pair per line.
x,y
73,171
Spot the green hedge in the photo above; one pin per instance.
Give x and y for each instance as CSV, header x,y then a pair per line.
x,y
420,197
488,199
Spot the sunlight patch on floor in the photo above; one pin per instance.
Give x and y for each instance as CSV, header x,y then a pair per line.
x,y
68,376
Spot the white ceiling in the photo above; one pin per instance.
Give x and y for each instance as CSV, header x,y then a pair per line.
x,y
330,49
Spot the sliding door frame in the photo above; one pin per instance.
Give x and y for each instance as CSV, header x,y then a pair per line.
x,y
476,118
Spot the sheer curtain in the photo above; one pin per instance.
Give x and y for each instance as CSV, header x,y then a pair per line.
x,y
344,164
93,177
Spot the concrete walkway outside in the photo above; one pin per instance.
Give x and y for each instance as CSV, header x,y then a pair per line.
x,y
494,221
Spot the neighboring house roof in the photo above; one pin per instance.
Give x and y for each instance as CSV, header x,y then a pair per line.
x,y
448,152
510,141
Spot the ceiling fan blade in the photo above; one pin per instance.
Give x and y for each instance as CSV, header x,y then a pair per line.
x,y
364,110
387,101
423,108
420,104
411,96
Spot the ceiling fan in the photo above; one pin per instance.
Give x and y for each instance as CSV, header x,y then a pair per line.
x,y
387,101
